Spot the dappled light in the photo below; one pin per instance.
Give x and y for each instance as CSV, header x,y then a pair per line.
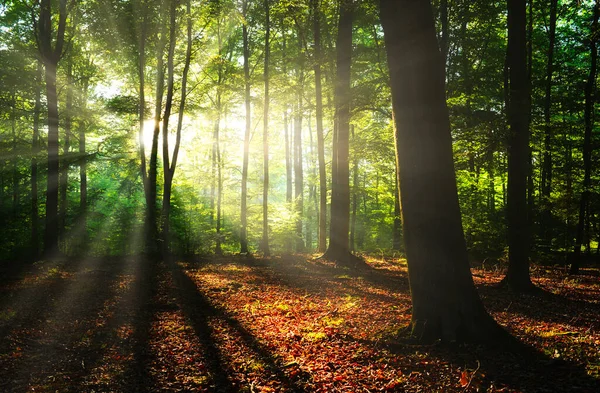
x,y
299,196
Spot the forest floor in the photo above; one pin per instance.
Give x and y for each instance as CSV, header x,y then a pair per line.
x,y
288,324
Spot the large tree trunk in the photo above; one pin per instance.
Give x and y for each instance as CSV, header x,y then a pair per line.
x,y
51,56
517,276
322,246
244,204
265,235
52,226
339,248
590,90
445,302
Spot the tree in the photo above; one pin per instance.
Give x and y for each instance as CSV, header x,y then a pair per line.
x,y
517,277
445,302
339,247
265,232
244,204
169,165
590,93
51,55
322,244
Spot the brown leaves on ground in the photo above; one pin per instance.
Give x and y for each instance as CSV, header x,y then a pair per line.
x,y
281,325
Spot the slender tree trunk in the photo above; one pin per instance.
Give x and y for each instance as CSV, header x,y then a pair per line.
x,y
167,173
152,214
52,227
288,152
397,230
354,200
590,94
35,151
244,207
148,232
339,248
64,170
265,237
322,246
445,302
83,166
298,170
547,160
517,276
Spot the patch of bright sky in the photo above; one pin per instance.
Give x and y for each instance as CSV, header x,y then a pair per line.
x,y
109,89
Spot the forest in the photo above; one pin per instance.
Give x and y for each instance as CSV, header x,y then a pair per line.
x,y
299,196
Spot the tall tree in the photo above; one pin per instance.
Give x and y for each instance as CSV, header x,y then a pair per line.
x,y
297,142
169,165
244,196
339,247
590,94
546,181
35,151
64,173
517,277
322,244
265,234
445,302
51,51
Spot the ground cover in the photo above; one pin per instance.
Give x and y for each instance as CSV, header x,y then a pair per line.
x,y
279,325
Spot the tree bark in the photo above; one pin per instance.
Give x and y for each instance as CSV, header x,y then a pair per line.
x,y
168,168
445,302
339,247
322,245
244,196
590,93
83,167
51,56
298,168
517,277
64,162
547,160
265,235
35,151
152,214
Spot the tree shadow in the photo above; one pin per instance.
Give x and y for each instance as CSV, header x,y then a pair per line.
x,y
200,310
516,367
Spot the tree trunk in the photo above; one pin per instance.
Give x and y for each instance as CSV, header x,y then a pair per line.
x,y
517,276
64,170
339,248
152,216
298,169
83,167
51,56
35,151
265,238
547,160
167,172
397,230
322,246
170,167
354,200
244,207
590,93
445,302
